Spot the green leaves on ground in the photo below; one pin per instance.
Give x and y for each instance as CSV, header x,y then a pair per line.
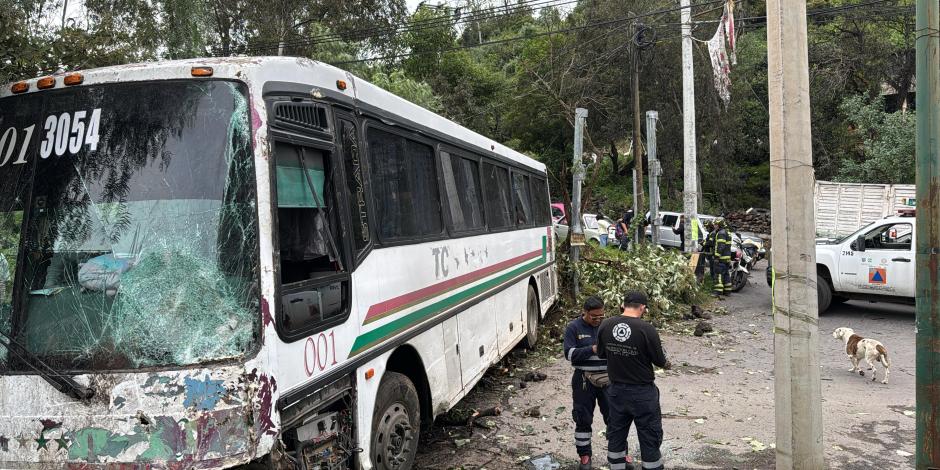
x,y
662,274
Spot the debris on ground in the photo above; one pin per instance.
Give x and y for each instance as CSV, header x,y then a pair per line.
x,y
697,313
475,415
702,328
534,412
542,462
756,445
534,376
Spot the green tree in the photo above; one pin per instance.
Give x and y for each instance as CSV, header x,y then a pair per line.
x,y
419,93
884,143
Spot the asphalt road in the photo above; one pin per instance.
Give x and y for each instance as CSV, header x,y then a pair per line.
x,y
718,402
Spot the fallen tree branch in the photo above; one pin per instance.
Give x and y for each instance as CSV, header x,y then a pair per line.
x,y
494,411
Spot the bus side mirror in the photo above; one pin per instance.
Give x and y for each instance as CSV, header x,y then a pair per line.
x,y
859,244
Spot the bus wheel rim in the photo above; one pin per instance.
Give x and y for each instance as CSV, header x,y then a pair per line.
x,y
396,435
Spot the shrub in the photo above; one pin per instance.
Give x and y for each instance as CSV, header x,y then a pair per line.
x,y
662,274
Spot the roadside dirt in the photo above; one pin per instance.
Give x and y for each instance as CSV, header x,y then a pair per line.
x,y
718,402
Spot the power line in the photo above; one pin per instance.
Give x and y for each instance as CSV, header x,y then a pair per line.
x,y
446,20
375,31
527,36
819,12
382,31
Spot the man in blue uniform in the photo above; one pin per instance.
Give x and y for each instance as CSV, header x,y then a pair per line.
x,y
722,255
632,347
580,350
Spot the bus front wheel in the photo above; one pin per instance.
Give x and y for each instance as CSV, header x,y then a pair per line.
x,y
395,423
532,319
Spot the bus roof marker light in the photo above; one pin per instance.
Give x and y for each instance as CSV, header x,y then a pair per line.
x,y
341,85
45,82
73,79
20,87
202,71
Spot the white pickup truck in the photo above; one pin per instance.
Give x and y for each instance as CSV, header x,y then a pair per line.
x,y
875,263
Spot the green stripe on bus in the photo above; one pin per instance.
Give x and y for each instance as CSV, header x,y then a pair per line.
x,y
373,337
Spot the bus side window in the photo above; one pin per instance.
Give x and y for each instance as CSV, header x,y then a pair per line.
x,y
403,180
464,198
496,189
542,209
314,286
520,196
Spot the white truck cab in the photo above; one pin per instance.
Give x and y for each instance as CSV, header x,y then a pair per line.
x,y
875,263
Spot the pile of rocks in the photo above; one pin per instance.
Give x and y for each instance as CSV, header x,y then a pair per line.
x,y
751,220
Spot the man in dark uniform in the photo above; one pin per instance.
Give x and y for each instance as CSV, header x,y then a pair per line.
x,y
632,347
580,340
708,249
722,254
679,229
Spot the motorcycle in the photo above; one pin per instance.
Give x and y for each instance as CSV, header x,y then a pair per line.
x,y
747,250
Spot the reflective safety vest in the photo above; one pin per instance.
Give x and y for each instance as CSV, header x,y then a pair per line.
x,y
723,245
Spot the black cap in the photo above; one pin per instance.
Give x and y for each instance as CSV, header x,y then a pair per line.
x,y
635,297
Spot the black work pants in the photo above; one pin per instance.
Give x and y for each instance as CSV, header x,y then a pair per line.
x,y
585,396
637,404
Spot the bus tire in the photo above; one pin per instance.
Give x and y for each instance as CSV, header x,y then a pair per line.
x,y
396,423
532,319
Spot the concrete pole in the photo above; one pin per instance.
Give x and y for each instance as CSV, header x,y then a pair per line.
x,y
577,169
65,8
690,168
928,235
797,392
637,152
652,117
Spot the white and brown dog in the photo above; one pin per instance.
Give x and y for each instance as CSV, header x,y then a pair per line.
x,y
858,348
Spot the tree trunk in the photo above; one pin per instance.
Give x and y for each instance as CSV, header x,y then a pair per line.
x,y
614,158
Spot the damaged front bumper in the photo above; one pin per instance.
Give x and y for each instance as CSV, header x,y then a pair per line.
x,y
195,418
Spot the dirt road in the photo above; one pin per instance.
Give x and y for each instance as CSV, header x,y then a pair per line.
x,y
718,402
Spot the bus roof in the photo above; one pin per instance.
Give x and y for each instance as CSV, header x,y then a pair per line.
x,y
259,70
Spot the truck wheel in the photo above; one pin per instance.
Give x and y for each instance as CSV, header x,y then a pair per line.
x,y
395,423
532,319
823,294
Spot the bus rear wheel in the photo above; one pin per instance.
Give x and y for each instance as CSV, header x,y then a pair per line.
x,y
532,319
395,423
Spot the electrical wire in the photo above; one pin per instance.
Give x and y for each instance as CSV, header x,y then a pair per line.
x,y
383,31
525,36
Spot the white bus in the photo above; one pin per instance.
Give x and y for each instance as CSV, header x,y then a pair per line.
x,y
223,261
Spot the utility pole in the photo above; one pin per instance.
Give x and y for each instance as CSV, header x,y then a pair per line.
x,y
577,170
690,193
65,8
639,202
652,117
928,234
797,392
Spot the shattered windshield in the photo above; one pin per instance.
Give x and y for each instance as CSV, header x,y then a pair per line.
x,y
128,225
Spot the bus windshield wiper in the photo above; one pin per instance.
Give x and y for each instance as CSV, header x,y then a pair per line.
x,y
61,382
